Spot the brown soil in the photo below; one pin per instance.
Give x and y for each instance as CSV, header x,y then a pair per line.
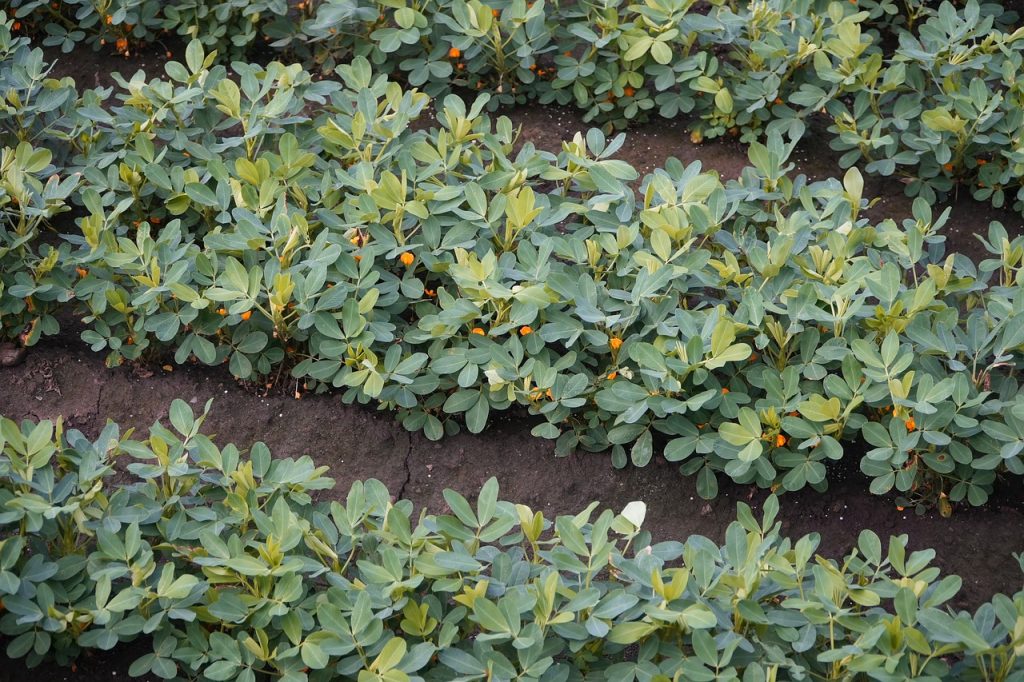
x,y
61,377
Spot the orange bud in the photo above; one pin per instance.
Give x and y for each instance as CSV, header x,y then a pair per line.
x,y
725,391
778,100
495,13
628,91
454,53
910,424
982,162
246,315
612,375
780,440
222,311
525,330
82,272
615,343
948,167
477,330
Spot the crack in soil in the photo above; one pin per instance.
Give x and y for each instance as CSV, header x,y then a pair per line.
x,y
408,467
97,416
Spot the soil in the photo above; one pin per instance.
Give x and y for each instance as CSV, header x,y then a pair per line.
x,y
61,377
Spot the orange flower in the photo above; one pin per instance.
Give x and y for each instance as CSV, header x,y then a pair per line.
x,y
495,13
222,311
628,91
454,53
910,424
407,259
122,45
430,293
725,391
525,330
246,315
17,26
615,343
612,375
948,167
982,162
780,440
778,100
110,20
477,330
898,507
82,272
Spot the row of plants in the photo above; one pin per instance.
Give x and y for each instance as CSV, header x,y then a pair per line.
x,y
224,562
748,328
928,94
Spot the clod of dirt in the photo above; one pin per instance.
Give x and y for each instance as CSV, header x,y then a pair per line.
x,y
11,354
